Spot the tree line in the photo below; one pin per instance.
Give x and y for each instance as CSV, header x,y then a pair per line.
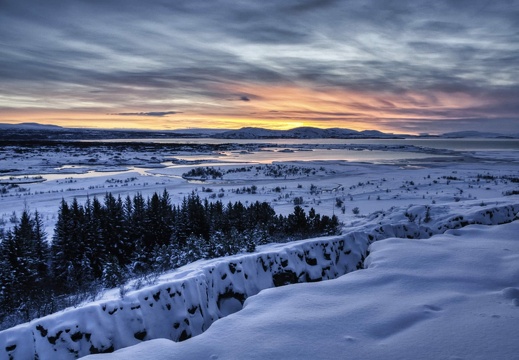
x,y
103,243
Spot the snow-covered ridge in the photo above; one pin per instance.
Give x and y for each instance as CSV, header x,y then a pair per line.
x,y
189,302
184,307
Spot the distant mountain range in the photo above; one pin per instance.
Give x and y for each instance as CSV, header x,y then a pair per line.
x,y
338,133
44,127
42,132
305,133
30,126
478,134
36,131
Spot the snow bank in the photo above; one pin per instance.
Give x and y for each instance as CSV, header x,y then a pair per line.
x,y
190,301
453,296
413,223
181,308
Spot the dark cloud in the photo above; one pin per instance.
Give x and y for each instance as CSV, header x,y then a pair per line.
x,y
149,113
309,5
440,26
244,98
263,35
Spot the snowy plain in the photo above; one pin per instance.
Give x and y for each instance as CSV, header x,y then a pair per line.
x,y
454,295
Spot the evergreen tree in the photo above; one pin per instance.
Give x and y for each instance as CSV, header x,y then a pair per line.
x,y
59,251
94,246
39,253
40,246
158,221
198,224
137,233
113,274
113,230
196,248
9,271
216,244
181,224
68,248
23,259
297,223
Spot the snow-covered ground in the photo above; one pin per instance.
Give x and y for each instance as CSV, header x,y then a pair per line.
x,y
188,301
37,178
453,295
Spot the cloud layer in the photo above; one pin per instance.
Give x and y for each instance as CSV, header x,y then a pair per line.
x,y
375,64
149,113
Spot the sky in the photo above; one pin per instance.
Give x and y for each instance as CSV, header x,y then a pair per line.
x,y
396,66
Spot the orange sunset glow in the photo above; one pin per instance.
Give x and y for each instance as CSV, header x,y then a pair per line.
x,y
268,106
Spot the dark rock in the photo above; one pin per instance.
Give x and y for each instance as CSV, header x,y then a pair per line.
x,y
94,350
263,265
311,261
284,278
232,267
42,330
184,336
140,335
76,336
53,339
